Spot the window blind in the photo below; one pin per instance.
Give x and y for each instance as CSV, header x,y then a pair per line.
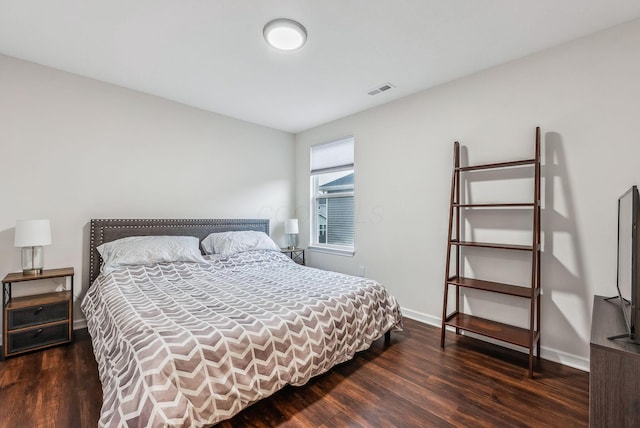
x,y
332,156
340,215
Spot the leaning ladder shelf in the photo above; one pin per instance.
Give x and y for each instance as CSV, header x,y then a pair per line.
x,y
528,338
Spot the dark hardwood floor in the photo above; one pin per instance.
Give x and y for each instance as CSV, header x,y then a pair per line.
x,y
409,383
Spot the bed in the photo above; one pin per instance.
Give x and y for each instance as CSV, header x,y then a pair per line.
x,y
192,343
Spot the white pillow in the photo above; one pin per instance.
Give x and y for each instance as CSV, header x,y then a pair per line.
x,y
148,250
228,243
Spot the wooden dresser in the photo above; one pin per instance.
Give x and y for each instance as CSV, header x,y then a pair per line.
x,y
614,378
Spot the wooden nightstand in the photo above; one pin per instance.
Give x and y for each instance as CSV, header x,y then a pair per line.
x,y
296,254
37,321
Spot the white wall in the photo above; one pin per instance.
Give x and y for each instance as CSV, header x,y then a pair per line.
x,y
585,97
73,149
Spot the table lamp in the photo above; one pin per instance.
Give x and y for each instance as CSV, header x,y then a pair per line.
x,y
31,235
291,229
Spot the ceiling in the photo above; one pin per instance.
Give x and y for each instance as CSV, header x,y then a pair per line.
x,y
211,54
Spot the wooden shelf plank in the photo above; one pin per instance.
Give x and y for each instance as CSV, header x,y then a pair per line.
x,y
38,299
522,162
496,287
497,205
492,245
46,274
495,330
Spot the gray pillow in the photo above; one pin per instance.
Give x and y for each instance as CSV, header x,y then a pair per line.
x,y
148,250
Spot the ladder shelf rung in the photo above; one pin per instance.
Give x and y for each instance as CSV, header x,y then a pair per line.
x,y
495,330
492,245
522,162
496,287
497,205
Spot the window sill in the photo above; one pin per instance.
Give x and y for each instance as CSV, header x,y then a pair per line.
x,y
328,250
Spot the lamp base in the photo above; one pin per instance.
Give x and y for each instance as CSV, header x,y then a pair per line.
x,y
32,260
292,241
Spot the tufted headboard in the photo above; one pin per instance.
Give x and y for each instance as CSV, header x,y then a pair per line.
x,y
107,230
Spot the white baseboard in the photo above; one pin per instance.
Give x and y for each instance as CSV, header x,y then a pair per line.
x,y
78,324
421,317
571,360
561,357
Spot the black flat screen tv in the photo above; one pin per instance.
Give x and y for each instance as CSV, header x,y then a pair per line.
x,y
628,276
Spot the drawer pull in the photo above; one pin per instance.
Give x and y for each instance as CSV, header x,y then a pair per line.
x,y
37,311
37,332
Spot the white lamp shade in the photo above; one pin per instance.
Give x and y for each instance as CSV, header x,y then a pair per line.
x,y
291,226
32,233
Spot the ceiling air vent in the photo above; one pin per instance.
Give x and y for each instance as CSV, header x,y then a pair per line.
x,y
380,88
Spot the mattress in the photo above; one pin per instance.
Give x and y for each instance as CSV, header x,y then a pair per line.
x,y
192,344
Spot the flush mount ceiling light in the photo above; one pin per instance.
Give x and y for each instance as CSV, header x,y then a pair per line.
x,y
285,34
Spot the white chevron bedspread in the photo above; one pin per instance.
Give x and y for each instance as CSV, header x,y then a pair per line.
x,y
192,344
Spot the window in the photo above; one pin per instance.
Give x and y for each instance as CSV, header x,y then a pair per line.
x,y
332,187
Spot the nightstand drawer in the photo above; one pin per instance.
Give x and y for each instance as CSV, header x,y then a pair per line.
x,y
37,337
40,314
